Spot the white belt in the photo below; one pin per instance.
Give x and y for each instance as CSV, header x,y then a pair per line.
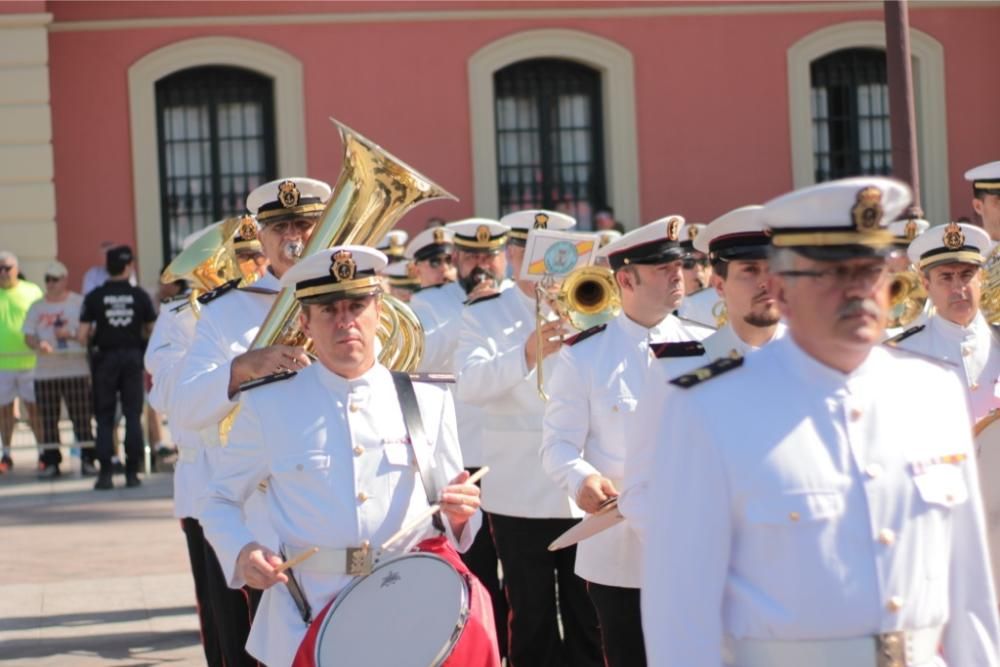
x,y
905,648
353,561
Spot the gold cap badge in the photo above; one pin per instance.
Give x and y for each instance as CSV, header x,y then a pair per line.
x,y
439,237
867,212
342,267
483,234
692,233
248,228
288,194
910,230
541,221
954,237
394,243
673,229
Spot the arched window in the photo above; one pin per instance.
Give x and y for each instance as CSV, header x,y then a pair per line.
x,y
216,139
549,138
850,114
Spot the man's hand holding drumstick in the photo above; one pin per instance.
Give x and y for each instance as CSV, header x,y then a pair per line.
x,y
259,566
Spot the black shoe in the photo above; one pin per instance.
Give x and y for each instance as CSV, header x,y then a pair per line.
x,y
88,469
49,472
6,464
103,483
132,480
116,465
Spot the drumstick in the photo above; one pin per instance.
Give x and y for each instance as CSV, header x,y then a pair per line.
x,y
295,561
429,512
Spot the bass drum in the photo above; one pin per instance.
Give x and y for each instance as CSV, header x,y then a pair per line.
x,y
987,436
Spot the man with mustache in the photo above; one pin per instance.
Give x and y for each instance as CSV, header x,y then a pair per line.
x,y
497,360
594,391
216,363
949,258
737,244
333,445
481,263
833,516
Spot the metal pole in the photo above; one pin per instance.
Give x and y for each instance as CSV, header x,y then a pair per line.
x,y
902,118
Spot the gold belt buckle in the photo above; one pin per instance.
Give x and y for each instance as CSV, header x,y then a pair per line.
x,y
359,560
890,649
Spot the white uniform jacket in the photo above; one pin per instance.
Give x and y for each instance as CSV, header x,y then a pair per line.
x,y
974,352
341,470
226,328
493,373
725,342
593,393
823,506
169,342
697,308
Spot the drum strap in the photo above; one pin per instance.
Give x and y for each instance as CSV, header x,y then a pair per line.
x,y
418,440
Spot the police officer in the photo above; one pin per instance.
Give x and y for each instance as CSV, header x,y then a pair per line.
x,y
120,317
949,258
594,391
334,447
497,365
737,245
833,517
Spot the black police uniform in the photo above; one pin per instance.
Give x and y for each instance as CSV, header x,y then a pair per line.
x,y
119,313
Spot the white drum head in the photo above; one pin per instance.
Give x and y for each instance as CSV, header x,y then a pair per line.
x,y
408,612
988,460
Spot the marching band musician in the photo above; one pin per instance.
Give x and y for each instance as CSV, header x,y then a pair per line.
x,y
594,390
737,245
224,614
835,517
986,196
400,280
697,309
393,245
333,445
430,254
949,258
696,264
497,365
481,265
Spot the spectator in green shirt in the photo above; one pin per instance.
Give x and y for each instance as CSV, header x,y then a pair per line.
x,y
17,360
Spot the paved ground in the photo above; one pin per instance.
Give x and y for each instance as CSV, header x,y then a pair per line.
x,y
89,578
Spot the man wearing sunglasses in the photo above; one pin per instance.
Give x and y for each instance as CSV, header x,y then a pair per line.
x,y
430,253
17,361
833,516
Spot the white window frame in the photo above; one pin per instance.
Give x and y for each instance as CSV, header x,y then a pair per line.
x,y
289,122
929,94
615,64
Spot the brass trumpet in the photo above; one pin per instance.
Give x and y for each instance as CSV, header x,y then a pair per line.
x,y
907,298
587,297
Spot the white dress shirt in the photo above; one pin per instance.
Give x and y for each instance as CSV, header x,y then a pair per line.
x,y
168,344
341,470
973,352
493,373
806,503
593,393
726,342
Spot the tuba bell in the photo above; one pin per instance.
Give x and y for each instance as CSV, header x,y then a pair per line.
x,y
907,298
990,301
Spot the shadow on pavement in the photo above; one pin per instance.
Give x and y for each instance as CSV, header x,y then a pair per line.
x,y
84,619
109,646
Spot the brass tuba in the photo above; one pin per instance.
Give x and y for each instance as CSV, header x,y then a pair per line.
x,y
587,297
208,262
907,298
989,303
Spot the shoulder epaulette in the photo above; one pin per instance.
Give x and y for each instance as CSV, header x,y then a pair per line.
x,y
943,363
217,292
434,378
687,348
584,335
899,338
482,298
267,379
257,290
714,369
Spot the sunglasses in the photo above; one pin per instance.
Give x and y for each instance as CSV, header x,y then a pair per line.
x,y
436,262
4,268
52,279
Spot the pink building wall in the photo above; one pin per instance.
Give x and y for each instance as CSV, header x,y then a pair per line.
x,y
711,100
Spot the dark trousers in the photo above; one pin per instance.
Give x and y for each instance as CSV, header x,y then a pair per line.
x,y
481,558
206,613
49,394
234,610
118,376
531,575
621,624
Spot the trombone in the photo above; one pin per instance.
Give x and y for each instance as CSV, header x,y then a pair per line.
x,y
587,297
